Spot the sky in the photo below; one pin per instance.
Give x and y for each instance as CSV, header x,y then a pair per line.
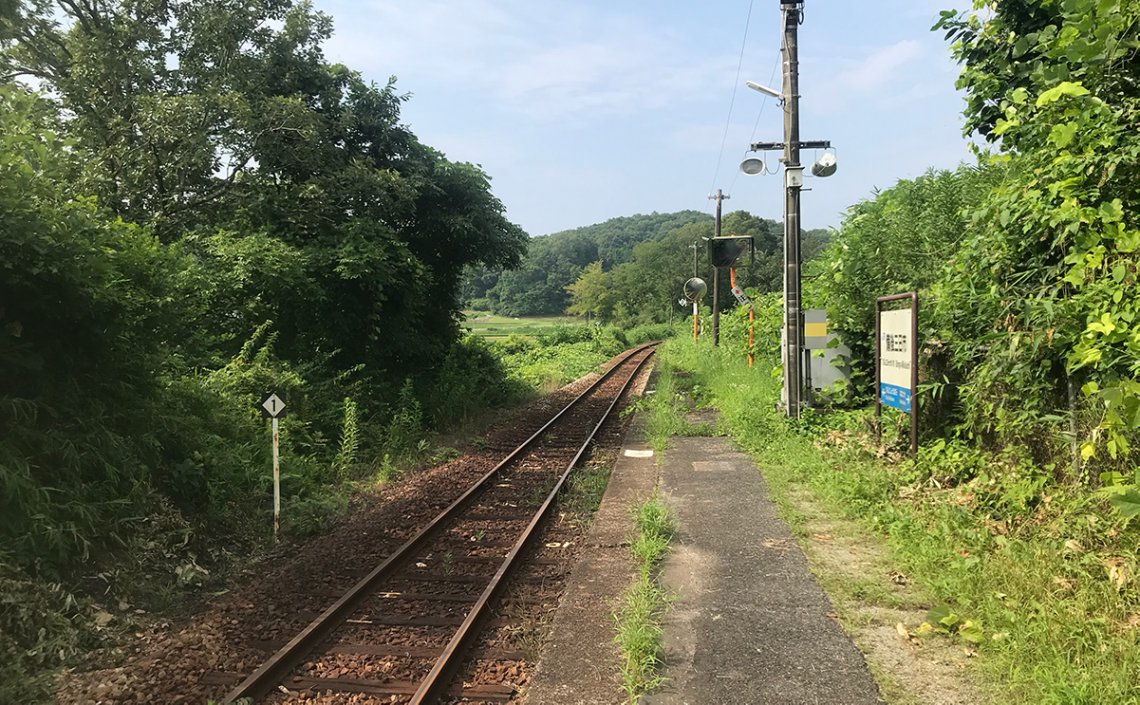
x,y
585,110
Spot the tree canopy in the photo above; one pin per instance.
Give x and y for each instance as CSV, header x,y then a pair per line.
x,y
199,206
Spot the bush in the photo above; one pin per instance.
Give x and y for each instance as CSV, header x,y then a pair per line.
x,y
42,626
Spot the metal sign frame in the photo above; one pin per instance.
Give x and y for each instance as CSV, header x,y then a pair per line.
x,y
912,297
747,244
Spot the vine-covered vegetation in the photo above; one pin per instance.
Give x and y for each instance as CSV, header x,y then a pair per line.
x,y
1030,323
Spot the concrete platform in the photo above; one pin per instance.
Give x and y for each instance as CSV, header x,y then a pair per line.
x,y
749,624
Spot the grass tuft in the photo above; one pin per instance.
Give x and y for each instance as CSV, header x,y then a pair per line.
x,y
643,605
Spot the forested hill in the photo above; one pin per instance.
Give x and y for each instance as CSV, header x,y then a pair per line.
x,y
642,258
553,262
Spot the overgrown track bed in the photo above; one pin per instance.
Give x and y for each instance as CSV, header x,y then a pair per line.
x,y
401,633
163,659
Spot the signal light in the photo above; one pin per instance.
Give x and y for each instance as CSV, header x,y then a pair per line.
x,y
726,251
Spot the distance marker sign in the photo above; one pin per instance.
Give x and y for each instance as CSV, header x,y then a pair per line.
x,y
272,406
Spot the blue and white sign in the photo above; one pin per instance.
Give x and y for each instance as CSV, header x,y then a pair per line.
x,y
896,355
895,396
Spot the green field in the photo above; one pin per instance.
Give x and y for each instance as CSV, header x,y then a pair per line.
x,y
487,325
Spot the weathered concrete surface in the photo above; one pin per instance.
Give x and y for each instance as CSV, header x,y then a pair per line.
x,y
749,624
579,662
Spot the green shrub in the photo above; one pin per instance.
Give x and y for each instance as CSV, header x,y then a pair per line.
x,y
42,626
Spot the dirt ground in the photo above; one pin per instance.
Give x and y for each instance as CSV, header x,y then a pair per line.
x,y
881,611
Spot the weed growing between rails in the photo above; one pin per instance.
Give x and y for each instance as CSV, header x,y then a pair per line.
x,y
1035,578
665,406
639,618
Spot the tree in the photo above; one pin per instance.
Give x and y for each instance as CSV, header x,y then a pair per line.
x,y
592,294
217,121
197,207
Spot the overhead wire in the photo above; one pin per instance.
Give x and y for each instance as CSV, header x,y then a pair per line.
x,y
732,101
760,114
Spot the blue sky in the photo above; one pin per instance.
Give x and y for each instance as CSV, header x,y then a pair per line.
x,y
583,110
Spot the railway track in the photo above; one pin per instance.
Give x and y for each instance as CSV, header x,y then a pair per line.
x,y
417,628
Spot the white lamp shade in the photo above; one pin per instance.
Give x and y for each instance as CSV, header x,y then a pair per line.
x,y
752,165
826,165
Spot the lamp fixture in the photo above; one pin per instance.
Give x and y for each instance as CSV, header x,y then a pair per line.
x,y
825,165
764,89
752,166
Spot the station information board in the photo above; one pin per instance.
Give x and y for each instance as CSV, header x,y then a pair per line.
x,y
896,358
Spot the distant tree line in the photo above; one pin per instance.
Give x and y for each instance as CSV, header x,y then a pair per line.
x,y
629,270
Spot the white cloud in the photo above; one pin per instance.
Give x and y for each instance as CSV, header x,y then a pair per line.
x,y
554,60
877,78
879,67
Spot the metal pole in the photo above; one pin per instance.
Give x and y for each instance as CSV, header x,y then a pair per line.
x,y
914,374
719,198
793,325
276,484
878,372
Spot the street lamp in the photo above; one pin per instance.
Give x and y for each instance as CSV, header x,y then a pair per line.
x,y
764,89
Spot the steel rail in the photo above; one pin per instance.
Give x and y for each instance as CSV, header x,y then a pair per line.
x,y
274,669
438,679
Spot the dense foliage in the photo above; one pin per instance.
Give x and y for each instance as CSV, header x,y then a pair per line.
x,y
1055,86
198,207
1030,322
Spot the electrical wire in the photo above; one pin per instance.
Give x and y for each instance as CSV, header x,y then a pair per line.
x,y
732,101
756,125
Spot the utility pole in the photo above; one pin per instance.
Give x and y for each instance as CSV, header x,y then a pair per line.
x,y
695,247
797,360
793,174
718,197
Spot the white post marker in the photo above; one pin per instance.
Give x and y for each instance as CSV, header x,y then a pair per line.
x,y
276,483
273,407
